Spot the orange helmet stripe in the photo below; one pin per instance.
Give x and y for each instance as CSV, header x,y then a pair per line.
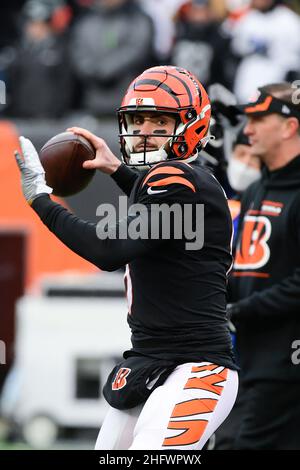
x,y
159,84
183,83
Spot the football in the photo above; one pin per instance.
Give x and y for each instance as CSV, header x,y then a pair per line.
x,y
62,158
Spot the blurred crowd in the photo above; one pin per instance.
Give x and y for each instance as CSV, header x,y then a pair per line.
x,y
57,56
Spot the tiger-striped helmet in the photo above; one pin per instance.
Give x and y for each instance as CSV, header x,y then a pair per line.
x,y
173,90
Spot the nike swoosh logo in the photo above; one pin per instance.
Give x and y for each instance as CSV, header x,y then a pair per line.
x,y
150,191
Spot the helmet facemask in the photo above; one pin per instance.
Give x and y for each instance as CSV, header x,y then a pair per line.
x,y
138,149
174,147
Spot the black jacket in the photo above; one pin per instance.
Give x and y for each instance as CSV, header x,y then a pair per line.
x,y
266,276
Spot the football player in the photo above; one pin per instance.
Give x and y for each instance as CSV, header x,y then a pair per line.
x,y
179,380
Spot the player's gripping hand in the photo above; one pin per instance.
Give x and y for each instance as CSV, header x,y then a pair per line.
x,y
32,173
105,160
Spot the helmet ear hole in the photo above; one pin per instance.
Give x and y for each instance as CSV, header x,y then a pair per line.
x,y
191,114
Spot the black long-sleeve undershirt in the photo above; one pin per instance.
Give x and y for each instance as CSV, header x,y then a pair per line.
x,y
83,238
125,178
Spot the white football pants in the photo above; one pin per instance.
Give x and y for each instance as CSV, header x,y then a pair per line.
x,y
180,414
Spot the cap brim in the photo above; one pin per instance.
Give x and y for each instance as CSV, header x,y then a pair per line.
x,y
256,108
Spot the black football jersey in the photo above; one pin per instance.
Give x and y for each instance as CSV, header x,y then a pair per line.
x,y
176,286
177,296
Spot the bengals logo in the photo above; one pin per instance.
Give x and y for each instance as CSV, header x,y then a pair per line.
x,y
253,251
120,379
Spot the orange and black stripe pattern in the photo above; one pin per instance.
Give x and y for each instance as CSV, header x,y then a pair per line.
x,y
176,87
166,175
190,417
170,87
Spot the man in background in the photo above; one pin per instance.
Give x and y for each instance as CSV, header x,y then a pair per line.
x,y
265,282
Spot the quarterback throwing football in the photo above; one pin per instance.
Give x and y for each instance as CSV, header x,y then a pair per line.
x,y
179,381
